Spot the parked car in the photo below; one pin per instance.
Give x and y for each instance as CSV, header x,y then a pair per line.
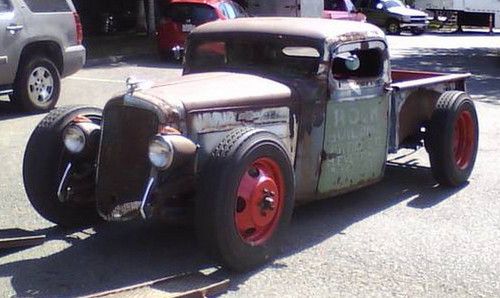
x,y
40,42
394,16
342,10
179,17
269,112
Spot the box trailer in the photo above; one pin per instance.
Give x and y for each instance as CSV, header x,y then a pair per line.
x,y
285,8
482,13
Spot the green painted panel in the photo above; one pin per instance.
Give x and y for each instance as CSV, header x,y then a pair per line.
x,y
355,145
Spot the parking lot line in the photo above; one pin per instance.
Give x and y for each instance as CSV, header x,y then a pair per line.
x,y
96,80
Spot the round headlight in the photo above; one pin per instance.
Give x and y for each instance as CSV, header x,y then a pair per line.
x,y
161,153
74,139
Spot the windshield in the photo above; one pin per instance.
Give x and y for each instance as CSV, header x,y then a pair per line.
x,y
392,3
252,55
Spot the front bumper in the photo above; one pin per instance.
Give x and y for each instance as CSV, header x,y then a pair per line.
x,y
411,25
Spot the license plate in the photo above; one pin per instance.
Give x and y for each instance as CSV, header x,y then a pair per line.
x,y
187,27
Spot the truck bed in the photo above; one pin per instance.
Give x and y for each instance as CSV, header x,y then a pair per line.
x,y
413,97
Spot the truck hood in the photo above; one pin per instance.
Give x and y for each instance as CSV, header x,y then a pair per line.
x,y
216,90
407,12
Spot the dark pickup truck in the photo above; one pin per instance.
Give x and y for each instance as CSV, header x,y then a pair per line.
x,y
269,113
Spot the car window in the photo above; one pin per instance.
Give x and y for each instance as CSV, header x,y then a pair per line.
x,y
363,3
231,14
335,5
5,6
48,5
196,14
357,62
239,11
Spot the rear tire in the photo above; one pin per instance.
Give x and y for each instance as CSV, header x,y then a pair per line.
x,y
246,199
453,137
44,164
37,85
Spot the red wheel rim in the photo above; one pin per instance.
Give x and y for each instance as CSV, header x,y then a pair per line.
x,y
463,139
259,201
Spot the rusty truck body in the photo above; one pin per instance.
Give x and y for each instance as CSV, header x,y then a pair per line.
x,y
269,113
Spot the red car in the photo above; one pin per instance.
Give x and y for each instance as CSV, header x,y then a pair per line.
x,y
179,17
342,10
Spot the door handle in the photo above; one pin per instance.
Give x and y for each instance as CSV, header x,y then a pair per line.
x,y
14,28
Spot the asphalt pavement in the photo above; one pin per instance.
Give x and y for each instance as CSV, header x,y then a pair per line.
x,y
405,236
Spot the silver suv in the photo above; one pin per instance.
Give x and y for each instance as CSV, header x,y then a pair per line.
x,y
40,42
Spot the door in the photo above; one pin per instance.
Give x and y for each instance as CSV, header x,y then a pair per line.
x,y
356,127
375,15
10,28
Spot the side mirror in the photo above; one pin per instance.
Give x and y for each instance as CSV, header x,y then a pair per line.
x,y
351,61
380,6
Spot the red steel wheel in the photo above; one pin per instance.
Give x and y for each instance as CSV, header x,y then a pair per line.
x,y
259,201
452,142
246,199
463,139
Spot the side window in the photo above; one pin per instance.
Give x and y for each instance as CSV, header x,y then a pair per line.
x,y
48,5
373,4
240,12
222,8
5,6
357,62
363,3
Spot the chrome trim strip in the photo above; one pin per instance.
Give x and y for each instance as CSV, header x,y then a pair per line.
x,y
63,182
146,196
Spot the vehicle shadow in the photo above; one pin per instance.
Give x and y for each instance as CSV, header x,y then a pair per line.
x,y
483,63
119,255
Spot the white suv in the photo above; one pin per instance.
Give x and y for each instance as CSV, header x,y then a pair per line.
x,y
40,42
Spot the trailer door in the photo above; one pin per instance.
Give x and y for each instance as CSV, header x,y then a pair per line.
x,y
287,8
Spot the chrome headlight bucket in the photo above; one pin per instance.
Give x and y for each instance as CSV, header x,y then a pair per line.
x,y
74,139
170,151
161,152
79,138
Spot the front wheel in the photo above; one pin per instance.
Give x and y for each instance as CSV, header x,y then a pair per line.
x,y
37,85
417,31
246,199
393,27
452,140
45,164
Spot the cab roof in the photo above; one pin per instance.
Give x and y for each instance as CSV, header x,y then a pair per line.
x,y
308,27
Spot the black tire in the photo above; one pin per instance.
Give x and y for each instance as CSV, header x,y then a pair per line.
x,y
44,164
452,166
392,27
417,31
28,67
216,203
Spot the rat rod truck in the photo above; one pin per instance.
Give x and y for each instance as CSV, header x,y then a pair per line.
x,y
269,112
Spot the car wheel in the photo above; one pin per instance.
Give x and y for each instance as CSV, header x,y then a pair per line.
x,y
246,199
37,85
453,136
417,31
392,27
45,164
